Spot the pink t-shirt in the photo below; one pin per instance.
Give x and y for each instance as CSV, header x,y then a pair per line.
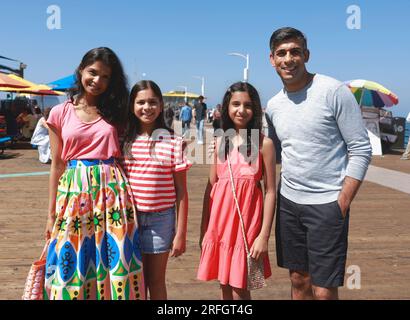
x,y
83,140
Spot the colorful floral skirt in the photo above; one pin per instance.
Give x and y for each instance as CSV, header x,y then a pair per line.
x,y
94,250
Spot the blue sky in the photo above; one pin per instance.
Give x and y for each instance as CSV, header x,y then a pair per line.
x,y
172,41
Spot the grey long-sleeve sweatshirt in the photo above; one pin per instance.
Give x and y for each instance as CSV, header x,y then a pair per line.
x,y
323,139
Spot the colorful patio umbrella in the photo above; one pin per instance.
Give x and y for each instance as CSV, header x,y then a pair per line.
x,y
63,84
30,87
6,81
40,90
372,94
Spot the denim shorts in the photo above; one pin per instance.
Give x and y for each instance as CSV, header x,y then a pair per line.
x,y
157,230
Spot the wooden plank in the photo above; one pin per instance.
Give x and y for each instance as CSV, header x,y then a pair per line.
x,y
378,242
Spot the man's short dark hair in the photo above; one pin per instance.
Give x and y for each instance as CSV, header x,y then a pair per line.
x,y
286,33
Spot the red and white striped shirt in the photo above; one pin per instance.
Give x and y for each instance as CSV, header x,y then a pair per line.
x,y
150,171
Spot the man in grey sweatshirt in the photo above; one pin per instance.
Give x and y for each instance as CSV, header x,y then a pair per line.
x,y
325,156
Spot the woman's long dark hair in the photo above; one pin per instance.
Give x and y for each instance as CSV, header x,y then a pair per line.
x,y
133,125
254,123
112,104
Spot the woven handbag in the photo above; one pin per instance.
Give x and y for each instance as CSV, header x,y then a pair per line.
x,y
33,289
256,274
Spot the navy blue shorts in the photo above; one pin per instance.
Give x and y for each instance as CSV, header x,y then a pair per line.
x,y
313,239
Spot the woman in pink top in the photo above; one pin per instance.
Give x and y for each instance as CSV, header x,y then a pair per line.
x,y
94,241
224,254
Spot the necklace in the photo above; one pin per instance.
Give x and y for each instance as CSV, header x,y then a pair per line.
x,y
79,103
85,107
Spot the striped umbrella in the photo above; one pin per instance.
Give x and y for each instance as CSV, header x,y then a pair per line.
x,y
31,88
6,81
372,94
28,87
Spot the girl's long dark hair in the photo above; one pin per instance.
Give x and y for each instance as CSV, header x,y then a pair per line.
x,y
254,123
112,104
133,126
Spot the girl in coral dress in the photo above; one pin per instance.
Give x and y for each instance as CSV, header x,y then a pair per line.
x,y
223,255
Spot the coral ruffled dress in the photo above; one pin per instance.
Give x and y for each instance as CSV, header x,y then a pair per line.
x,y
223,254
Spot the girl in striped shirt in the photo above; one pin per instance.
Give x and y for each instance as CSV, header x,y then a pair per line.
x,y
155,164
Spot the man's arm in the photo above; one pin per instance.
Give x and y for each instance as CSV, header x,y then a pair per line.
x,y
348,192
353,131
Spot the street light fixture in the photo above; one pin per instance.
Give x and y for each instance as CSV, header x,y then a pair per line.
x,y
246,70
202,84
186,89
138,75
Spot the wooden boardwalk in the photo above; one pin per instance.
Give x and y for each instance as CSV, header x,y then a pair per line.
x,y
379,239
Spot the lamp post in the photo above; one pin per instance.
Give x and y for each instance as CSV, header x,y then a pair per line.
x,y
246,69
202,84
186,89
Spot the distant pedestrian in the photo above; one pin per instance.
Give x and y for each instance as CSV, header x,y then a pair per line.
x,y
186,118
216,117
406,154
200,117
36,110
27,122
12,125
41,138
169,116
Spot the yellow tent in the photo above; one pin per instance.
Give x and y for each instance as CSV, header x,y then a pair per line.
x,y
177,98
181,94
